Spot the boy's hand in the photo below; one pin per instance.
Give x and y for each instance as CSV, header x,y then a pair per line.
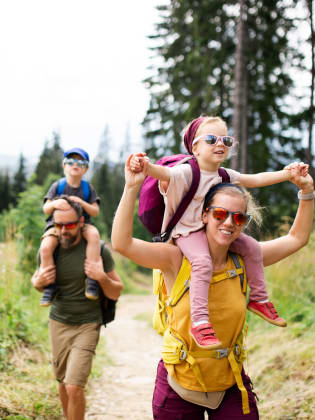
x,y
76,198
295,168
61,204
137,162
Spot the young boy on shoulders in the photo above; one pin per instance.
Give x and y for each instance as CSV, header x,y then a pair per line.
x,y
75,165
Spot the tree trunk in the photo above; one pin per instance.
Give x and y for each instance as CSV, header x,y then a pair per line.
x,y
239,162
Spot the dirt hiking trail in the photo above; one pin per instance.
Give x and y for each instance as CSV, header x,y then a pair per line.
x,y
126,386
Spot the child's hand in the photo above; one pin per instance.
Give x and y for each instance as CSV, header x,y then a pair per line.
x,y
137,162
295,168
61,204
76,199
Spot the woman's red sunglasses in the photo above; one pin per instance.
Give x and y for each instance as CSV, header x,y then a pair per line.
x,y
67,226
221,214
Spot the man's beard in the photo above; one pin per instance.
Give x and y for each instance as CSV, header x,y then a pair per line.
x,y
67,240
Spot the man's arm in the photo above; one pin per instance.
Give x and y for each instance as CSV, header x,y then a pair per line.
x,y
110,282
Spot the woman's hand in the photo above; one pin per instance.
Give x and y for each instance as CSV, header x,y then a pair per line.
x,y
134,179
304,182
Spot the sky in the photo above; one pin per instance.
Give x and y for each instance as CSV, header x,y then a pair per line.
x,y
73,66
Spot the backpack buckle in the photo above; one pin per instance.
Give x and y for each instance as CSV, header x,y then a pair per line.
x,y
219,354
182,355
231,273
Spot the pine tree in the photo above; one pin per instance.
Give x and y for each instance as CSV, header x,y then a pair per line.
x,y
196,74
196,45
5,191
50,160
19,179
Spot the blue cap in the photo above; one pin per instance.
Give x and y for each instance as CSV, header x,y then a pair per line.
x,y
77,151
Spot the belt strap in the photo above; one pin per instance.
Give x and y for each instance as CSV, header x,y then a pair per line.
x,y
239,381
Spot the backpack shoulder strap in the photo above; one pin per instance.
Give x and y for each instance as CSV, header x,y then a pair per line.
x,y
236,261
61,186
186,200
224,175
84,185
86,189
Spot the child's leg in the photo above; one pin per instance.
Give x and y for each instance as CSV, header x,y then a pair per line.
x,y
47,248
93,251
92,237
259,303
250,250
196,250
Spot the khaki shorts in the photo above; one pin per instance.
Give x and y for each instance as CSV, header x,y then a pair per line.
x,y
73,348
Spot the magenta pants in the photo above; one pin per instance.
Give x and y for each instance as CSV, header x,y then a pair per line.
x,y
196,249
168,405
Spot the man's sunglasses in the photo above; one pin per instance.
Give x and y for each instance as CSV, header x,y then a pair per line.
x,y
67,226
212,139
79,162
221,214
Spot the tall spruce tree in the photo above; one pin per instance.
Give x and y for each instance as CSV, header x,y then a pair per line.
x,y
19,179
5,191
196,46
196,74
108,180
50,160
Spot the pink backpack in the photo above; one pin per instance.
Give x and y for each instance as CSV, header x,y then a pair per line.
x,y
151,204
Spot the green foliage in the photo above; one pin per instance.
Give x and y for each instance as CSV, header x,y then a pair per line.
x,y
26,224
291,286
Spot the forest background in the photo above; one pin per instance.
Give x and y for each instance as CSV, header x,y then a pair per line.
x,y
242,60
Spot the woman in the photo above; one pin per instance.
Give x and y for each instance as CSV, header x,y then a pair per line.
x,y
216,380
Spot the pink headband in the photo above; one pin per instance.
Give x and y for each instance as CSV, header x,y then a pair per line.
x,y
191,132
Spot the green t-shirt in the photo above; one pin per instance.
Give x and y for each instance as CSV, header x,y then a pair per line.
x,y
70,305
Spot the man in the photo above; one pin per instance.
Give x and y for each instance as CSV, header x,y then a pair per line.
x,y
75,321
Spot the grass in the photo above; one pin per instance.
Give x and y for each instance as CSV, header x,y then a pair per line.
x,y
28,388
135,282
281,360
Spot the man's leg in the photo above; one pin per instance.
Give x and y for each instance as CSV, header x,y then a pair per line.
x,y
75,402
63,398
